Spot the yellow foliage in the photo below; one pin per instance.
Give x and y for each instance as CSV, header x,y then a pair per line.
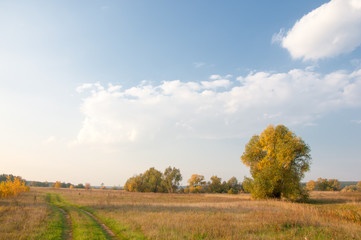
x,y
311,185
10,188
278,160
57,184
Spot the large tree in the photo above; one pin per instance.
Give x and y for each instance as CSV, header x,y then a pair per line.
x,y
171,179
215,185
278,160
152,180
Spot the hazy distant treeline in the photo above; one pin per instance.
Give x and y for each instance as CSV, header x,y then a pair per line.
x,y
324,184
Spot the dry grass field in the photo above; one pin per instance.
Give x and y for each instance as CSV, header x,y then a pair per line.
x,y
45,213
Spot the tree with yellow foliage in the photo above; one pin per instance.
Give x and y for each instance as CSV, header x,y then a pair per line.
x,y
57,184
311,185
13,187
278,160
196,183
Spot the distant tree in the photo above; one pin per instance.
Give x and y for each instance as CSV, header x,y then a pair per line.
x,y
196,183
334,185
232,191
324,184
311,185
134,184
57,184
87,186
80,186
352,188
278,160
234,186
215,186
6,177
13,186
152,180
224,187
71,187
39,184
171,179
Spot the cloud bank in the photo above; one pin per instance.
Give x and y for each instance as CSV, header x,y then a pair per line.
x,y
332,29
214,109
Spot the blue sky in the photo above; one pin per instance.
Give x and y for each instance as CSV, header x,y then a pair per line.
x,y
96,91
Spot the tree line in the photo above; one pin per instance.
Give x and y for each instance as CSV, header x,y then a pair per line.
x,y
168,181
277,158
324,184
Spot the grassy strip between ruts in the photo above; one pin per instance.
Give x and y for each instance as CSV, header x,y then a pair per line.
x,y
121,231
56,223
83,225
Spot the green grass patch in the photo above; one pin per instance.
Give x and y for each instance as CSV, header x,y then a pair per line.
x,y
120,230
55,225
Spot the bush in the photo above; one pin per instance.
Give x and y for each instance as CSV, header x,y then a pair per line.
x,y
14,187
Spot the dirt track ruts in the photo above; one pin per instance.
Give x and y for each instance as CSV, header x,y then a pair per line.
x,y
106,229
68,222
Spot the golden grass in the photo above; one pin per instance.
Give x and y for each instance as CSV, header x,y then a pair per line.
x,y
328,215
332,215
23,217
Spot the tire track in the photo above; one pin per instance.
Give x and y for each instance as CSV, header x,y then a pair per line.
x,y
67,231
103,226
68,223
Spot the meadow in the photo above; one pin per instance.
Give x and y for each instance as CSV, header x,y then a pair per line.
x,y
49,213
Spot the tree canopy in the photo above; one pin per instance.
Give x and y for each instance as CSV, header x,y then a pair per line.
x,y
171,179
278,160
153,180
324,184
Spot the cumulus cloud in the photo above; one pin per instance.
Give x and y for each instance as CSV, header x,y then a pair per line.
x,y
332,29
176,109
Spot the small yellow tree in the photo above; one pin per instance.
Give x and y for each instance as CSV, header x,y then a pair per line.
x,y
57,184
311,185
14,187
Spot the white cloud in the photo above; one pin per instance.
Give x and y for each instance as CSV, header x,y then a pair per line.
x,y
222,83
332,29
278,37
219,77
175,109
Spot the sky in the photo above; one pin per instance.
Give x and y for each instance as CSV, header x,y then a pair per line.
x,y
98,91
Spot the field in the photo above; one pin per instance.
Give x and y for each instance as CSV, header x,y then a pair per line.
x,y
45,213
